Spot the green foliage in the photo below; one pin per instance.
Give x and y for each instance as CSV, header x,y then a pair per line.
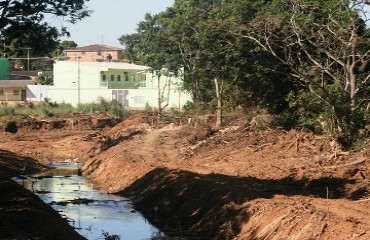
x,y
117,109
46,78
46,112
51,109
90,108
64,45
18,17
7,111
113,107
37,65
196,107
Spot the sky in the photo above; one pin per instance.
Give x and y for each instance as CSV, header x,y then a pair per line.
x,y
110,20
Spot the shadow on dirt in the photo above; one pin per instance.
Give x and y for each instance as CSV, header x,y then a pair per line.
x,y
185,201
13,164
111,142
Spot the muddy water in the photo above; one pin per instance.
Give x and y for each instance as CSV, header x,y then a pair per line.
x,y
93,213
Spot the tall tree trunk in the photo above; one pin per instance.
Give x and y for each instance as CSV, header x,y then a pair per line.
x,y
219,105
159,117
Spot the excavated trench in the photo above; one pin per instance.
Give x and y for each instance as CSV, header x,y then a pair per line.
x,y
93,213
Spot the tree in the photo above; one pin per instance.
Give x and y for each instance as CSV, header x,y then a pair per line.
x,y
325,45
46,78
66,45
222,71
151,46
15,11
63,46
41,38
22,23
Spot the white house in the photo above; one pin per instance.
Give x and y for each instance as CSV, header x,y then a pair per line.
x,y
134,86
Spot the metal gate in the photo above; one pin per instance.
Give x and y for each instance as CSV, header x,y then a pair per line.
x,y
121,97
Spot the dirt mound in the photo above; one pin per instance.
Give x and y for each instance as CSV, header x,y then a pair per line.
x,y
73,122
246,207
239,182
209,182
22,214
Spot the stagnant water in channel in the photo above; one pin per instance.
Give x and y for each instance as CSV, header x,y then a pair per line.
x,y
93,213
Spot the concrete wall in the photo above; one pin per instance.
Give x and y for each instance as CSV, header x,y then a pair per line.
x,y
11,94
74,97
72,76
82,83
140,98
37,93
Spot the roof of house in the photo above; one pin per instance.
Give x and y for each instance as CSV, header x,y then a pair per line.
x,y
110,65
24,73
15,83
94,48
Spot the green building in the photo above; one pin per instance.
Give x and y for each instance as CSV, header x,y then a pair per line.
x,y
4,68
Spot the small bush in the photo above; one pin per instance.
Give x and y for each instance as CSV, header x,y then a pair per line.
x,y
7,111
117,109
46,112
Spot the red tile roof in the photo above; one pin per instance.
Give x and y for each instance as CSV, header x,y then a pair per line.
x,y
94,48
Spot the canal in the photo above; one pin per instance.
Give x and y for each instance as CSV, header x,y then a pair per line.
x,y
93,213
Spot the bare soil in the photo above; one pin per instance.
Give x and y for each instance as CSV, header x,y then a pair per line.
x,y
238,182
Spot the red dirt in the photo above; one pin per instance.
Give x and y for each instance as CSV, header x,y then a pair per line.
x,y
239,182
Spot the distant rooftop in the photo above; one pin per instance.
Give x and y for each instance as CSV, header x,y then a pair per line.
x,y
110,65
15,83
94,48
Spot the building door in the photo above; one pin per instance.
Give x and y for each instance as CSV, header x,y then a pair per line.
x,y
121,97
23,95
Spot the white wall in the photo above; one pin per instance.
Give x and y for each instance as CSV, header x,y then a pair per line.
x,y
76,83
67,75
139,98
152,80
37,93
86,95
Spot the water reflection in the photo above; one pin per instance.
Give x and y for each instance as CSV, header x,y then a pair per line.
x,y
93,213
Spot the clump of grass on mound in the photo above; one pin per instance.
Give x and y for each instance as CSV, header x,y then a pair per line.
x,y
7,111
48,108
113,107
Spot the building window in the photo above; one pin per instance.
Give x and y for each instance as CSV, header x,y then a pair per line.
x,y
1,92
118,77
142,84
126,76
112,78
139,100
99,53
103,78
15,92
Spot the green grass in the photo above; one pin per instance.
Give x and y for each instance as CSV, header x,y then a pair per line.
x,y
51,109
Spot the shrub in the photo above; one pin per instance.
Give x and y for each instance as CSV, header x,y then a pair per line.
x,y
7,111
117,109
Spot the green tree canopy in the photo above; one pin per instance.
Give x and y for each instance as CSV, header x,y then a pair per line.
x,y
325,45
23,24
305,58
